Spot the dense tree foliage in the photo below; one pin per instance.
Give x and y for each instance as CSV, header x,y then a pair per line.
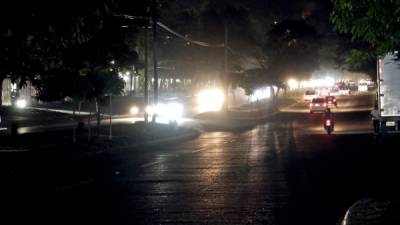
x,y
51,44
64,41
373,27
258,32
292,49
375,22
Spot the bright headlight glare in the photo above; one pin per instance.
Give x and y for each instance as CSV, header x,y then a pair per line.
x,y
20,103
210,100
134,110
169,111
150,109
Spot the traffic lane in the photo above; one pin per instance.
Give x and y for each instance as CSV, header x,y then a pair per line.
x,y
117,171
305,123
345,123
187,188
345,104
273,174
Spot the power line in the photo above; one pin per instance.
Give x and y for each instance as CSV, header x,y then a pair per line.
x,y
166,28
201,43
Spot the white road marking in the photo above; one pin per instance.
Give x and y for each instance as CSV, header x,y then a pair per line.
x,y
152,163
13,150
75,185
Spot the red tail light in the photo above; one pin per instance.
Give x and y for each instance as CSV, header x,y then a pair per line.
x,y
324,104
310,104
328,122
334,100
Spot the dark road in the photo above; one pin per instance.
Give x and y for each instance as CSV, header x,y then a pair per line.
x,y
285,171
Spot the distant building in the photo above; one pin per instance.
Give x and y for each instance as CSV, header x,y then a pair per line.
x,y
12,92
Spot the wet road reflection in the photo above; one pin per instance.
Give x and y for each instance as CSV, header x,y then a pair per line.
x,y
280,172
226,177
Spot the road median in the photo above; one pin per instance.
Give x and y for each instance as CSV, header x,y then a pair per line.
x,y
244,117
93,140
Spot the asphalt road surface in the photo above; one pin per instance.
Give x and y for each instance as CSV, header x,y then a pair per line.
x,y
285,171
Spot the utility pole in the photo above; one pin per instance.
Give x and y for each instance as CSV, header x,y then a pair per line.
x,y
131,77
146,72
153,18
226,73
134,90
110,133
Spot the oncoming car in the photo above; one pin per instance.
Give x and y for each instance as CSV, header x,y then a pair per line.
x,y
318,105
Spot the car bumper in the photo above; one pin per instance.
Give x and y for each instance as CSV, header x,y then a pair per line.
x,y
316,109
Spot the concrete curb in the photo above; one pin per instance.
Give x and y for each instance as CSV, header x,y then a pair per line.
x,y
89,150
191,134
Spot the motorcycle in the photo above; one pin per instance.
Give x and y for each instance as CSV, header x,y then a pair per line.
x,y
328,125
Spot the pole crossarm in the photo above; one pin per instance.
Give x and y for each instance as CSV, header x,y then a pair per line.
x,y
200,43
166,28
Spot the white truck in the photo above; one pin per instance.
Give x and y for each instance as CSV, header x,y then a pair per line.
x,y
388,95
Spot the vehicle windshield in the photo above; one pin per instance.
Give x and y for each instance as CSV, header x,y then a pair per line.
x,y
318,100
310,92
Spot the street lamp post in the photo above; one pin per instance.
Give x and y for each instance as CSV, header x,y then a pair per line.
x,y
226,73
151,20
146,74
131,77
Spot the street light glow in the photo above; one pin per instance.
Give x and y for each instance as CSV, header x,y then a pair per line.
x,y
293,84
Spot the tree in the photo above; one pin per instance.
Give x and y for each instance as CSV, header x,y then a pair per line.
x,y
89,71
291,49
34,37
102,82
356,56
256,31
373,22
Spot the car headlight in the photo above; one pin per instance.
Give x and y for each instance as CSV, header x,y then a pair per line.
x,y
134,110
21,103
210,100
172,111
